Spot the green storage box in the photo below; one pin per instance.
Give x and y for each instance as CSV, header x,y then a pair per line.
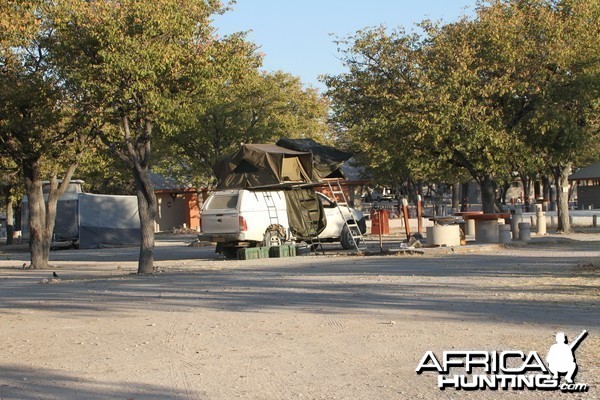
x,y
264,252
282,251
252,253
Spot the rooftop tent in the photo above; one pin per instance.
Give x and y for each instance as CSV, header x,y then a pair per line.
x,y
264,165
108,221
327,160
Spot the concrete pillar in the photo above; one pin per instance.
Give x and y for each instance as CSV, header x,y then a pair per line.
x,y
525,231
504,233
541,219
595,221
443,235
486,231
516,218
470,227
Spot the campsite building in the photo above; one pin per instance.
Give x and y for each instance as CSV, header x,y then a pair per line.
x,y
178,203
588,186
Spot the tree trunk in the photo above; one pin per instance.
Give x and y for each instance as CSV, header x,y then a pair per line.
x,y
39,242
465,197
548,193
147,206
488,195
526,182
504,192
537,190
561,180
42,213
137,157
10,217
413,191
456,197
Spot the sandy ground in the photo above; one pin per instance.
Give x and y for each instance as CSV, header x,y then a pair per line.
x,y
331,326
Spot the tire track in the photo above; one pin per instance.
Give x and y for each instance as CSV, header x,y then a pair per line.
x,y
179,363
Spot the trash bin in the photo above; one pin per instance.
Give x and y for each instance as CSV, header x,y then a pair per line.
x,y
380,222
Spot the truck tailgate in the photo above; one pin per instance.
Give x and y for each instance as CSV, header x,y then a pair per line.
x,y
220,213
220,221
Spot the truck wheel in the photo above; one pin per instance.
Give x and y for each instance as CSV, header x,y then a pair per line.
x,y
274,236
362,224
346,238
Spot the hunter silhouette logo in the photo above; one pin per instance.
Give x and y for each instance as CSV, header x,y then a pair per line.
x,y
561,358
512,369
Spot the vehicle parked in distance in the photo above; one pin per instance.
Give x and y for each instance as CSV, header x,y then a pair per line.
x,y
248,218
377,196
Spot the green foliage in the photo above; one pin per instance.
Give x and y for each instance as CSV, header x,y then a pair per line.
x,y
139,64
556,102
136,60
513,89
105,174
252,108
39,121
381,106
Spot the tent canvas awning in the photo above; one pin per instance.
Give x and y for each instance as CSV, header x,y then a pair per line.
x,y
264,165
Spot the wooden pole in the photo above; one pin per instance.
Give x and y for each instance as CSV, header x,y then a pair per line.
x,y
380,215
419,214
405,217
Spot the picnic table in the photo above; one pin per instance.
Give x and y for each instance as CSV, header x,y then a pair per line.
x,y
469,223
448,220
486,226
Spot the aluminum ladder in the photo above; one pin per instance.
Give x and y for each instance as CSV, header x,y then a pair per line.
x,y
335,188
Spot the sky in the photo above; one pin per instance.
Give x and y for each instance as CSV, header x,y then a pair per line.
x,y
297,36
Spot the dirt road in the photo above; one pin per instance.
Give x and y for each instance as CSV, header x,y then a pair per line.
x,y
316,327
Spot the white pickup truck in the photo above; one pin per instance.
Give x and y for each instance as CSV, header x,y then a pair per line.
x,y
240,218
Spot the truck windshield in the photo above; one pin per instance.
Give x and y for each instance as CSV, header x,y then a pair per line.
x,y
222,202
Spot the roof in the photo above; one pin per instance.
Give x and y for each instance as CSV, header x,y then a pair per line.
x,y
589,172
166,183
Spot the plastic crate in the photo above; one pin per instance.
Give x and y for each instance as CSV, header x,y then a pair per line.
x,y
263,252
253,253
282,251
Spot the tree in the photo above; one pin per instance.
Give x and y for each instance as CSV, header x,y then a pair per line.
x,y
520,76
554,97
39,126
104,173
10,177
139,63
416,101
254,107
